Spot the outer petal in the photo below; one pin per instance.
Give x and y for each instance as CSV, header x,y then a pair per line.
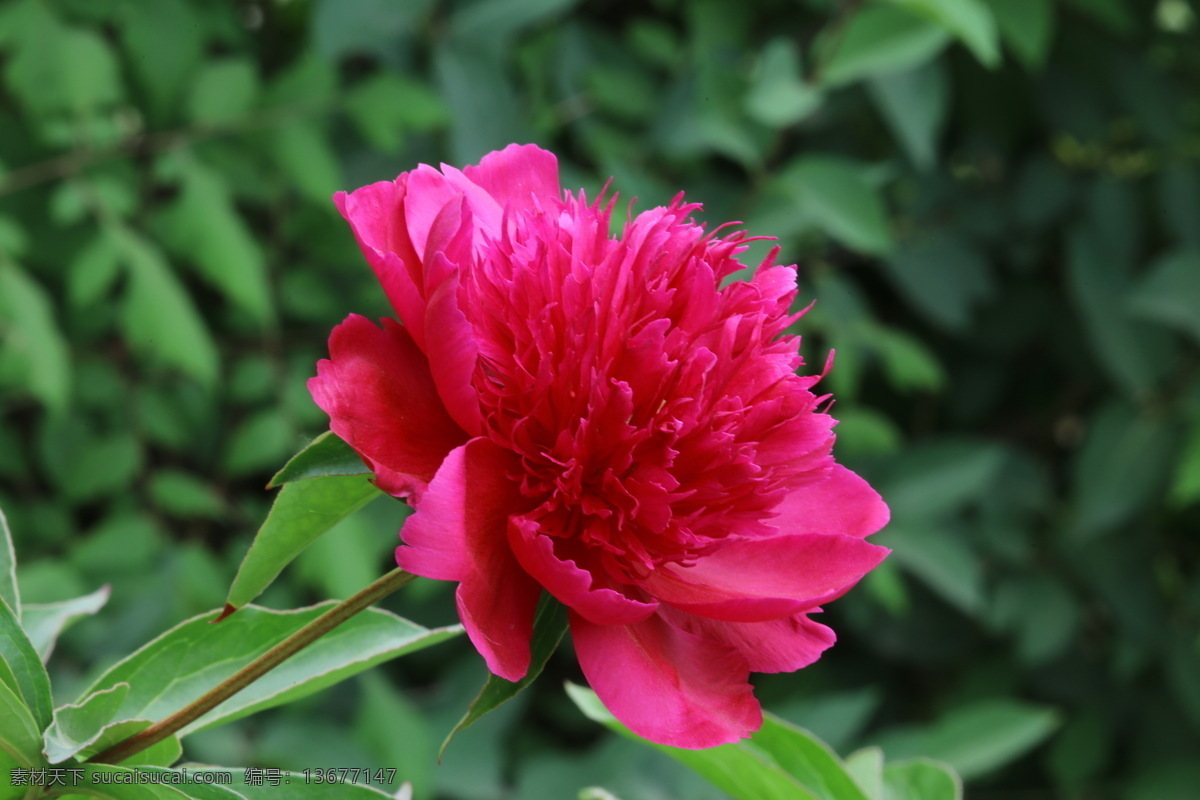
x,y
751,580
517,174
666,684
841,503
570,583
457,533
376,215
452,351
380,396
778,645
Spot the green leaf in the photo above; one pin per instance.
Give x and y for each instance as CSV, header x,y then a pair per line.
x,y
549,626
921,779
75,726
165,42
9,593
1027,26
158,317
977,738
1185,486
1114,14
481,99
160,754
32,337
193,657
835,193
259,442
204,227
327,454
866,767
385,105
969,20
944,276
302,511
940,558
877,40
742,770
778,96
63,70
914,103
302,152
396,732
1170,293
1106,489
807,758
223,92
1133,356
43,622
183,494
20,739
28,677
93,272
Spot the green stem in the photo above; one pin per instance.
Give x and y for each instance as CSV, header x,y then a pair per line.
x,y
260,666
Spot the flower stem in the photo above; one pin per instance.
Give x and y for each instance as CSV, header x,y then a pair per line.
x,y
260,666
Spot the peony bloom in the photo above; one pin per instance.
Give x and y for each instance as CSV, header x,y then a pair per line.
x,y
593,415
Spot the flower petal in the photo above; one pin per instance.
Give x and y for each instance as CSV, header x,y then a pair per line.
x,y
518,174
376,216
778,645
380,396
452,353
666,684
566,580
751,580
457,533
841,503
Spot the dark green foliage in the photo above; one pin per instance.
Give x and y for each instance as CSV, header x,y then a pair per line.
x,y
996,204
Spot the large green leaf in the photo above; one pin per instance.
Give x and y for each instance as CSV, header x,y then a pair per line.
x,y
879,39
20,739
325,455
195,656
25,676
43,622
742,770
833,191
303,511
113,782
75,726
549,626
9,592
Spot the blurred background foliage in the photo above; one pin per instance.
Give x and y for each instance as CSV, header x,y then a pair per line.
x,y
996,204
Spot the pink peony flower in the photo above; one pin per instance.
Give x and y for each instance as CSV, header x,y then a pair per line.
x,y
595,416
